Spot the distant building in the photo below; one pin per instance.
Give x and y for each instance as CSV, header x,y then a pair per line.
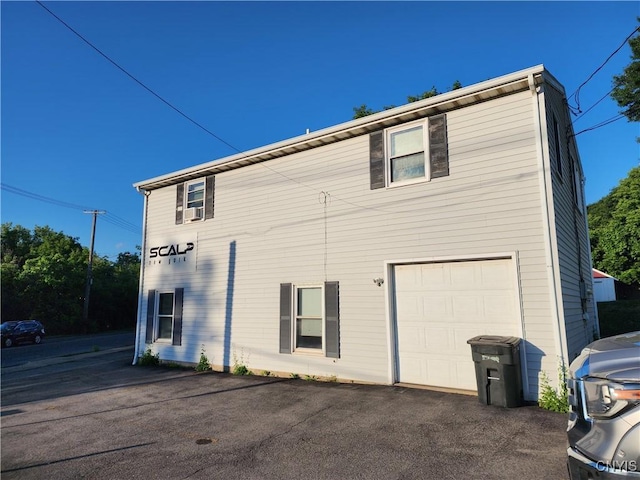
x,y
604,286
373,250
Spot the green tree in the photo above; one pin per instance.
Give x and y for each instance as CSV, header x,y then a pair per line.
x,y
114,296
43,277
15,249
626,87
427,94
363,110
55,276
614,224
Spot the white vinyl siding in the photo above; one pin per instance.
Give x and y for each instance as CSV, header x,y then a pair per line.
x,y
572,240
270,227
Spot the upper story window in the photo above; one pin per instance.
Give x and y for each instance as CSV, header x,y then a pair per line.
x,y
557,136
405,153
578,188
195,200
409,153
195,194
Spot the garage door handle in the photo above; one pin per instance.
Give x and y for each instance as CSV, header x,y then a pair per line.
x,y
493,378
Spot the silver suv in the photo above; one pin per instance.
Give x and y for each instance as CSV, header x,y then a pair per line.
x,y
604,423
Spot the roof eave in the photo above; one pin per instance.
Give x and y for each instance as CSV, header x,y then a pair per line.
x,y
454,99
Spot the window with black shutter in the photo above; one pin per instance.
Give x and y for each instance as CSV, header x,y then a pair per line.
x,y
195,200
310,319
409,153
164,316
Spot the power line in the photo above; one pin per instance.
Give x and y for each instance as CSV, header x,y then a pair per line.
x,y
159,97
110,218
115,64
576,95
601,124
593,106
42,198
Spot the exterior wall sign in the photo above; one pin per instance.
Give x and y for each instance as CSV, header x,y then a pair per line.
x,y
172,255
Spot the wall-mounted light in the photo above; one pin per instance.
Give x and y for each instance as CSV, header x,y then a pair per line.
x,y
378,281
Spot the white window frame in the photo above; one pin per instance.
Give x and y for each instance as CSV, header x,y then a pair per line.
x,y
424,124
187,185
157,316
294,321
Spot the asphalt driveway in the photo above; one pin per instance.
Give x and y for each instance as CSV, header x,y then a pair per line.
x,y
94,416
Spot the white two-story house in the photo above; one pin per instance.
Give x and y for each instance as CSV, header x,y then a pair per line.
x,y
372,250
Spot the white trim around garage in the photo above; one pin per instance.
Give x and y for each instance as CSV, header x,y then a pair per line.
x,y
390,296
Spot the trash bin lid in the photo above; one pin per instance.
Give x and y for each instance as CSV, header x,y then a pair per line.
x,y
494,340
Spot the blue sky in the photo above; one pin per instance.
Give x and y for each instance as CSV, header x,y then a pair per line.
x,y
78,130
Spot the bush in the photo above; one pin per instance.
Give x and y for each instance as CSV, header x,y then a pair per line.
x,y
552,399
203,364
148,359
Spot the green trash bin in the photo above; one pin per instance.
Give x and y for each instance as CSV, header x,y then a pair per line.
x,y
498,372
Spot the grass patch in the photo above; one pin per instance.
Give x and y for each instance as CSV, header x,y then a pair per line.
x,y
621,316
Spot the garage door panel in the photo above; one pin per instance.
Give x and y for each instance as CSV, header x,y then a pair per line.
x,y
467,305
440,306
437,338
464,275
466,376
437,306
432,276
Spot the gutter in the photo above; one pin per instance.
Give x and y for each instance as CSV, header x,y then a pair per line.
x,y
146,194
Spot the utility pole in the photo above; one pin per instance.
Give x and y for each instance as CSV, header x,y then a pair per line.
x,y
89,281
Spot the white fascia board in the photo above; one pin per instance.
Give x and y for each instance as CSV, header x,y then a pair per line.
x,y
439,103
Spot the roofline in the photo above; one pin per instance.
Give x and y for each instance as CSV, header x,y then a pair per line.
x,y
493,88
604,275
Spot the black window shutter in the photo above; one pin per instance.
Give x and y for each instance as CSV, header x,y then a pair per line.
x,y
438,152
376,160
209,197
151,305
179,202
332,318
556,138
177,317
285,317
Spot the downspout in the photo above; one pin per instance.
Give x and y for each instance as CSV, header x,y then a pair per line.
x,y
146,194
551,270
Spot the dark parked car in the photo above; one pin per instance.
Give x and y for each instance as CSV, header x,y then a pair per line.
x,y
21,331
604,423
